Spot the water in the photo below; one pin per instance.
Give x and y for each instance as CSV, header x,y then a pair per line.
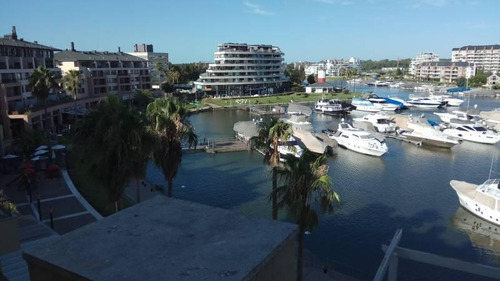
x,y
407,188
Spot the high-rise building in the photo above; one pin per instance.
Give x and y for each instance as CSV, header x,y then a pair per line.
x,y
485,57
421,58
18,107
105,72
243,69
146,52
444,71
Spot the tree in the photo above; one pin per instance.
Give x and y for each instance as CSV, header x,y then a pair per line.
x,y
306,181
29,140
142,98
270,135
171,127
111,138
71,83
41,82
7,208
311,79
461,81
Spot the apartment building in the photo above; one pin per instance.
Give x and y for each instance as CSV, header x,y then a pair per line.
x,y
444,71
18,108
421,58
146,52
105,72
485,57
244,69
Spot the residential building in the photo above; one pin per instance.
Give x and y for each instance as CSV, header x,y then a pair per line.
x,y
105,72
244,69
319,87
493,80
421,58
147,53
393,68
444,71
485,57
18,107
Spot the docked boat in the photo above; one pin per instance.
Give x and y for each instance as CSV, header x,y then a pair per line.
x,y
447,117
291,147
330,107
476,133
383,104
299,122
482,200
373,105
425,102
381,121
420,130
357,140
401,101
446,99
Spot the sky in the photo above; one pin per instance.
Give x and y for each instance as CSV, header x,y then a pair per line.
x,y
305,30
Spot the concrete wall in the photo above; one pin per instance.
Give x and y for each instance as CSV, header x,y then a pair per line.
x,y
280,266
9,236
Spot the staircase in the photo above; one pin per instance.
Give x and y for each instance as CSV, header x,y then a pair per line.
x,y
31,234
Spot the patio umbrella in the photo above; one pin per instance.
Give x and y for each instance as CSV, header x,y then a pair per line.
x,y
38,158
40,152
58,147
42,147
10,156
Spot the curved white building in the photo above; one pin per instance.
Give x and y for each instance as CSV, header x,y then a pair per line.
x,y
242,69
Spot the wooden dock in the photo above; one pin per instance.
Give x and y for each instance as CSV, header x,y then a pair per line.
x,y
226,145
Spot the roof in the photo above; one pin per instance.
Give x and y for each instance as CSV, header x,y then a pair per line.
x,y
247,128
476,47
94,56
7,41
321,85
168,239
447,63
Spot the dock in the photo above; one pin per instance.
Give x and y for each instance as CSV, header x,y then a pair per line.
x,y
226,145
402,138
260,111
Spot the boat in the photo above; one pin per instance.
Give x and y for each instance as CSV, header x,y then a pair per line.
x,y
382,103
291,147
381,121
425,102
398,103
357,140
299,122
402,101
471,133
330,107
446,99
447,117
481,200
374,105
420,130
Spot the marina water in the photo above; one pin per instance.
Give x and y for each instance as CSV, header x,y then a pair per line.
x,y
406,188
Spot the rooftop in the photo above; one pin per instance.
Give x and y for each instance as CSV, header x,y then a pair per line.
x,y
69,55
477,47
447,63
166,238
321,85
13,41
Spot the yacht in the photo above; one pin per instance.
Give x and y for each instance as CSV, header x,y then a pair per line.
x,y
474,134
357,140
383,104
447,117
381,121
446,99
373,106
482,200
299,122
330,107
421,131
291,147
425,102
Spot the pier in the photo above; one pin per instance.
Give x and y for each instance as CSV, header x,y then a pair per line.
x,y
226,145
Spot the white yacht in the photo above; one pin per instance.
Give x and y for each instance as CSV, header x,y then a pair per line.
x,y
291,147
369,106
381,121
382,104
330,107
446,99
299,122
358,140
421,131
482,200
425,102
474,134
446,117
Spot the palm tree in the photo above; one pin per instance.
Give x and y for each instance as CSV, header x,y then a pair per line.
x,y
269,137
306,181
111,138
168,119
71,83
41,82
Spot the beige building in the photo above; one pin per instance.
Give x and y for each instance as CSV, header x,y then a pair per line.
x,y
493,80
147,53
105,72
486,57
444,71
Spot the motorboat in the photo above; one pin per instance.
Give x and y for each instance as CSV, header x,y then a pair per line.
x,y
381,121
446,99
290,147
420,130
447,117
383,104
299,122
402,101
481,200
357,140
477,134
373,105
425,102
330,107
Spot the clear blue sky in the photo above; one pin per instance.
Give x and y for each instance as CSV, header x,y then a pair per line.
x,y
310,30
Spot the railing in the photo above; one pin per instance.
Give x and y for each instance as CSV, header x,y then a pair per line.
x,y
393,253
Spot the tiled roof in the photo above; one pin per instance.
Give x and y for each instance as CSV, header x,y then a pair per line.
x,y
94,56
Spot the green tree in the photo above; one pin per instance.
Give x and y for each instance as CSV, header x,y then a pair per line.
x,y
71,83
142,98
306,181
7,208
461,81
111,139
168,119
311,79
41,82
270,135
29,140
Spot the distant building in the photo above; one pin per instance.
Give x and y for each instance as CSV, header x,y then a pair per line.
x,y
106,72
146,52
19,109
493,80
444,71
421,58
392,68
319,88
243,69
485,57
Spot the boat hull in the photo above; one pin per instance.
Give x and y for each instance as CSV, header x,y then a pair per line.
x,y
430,142
477,138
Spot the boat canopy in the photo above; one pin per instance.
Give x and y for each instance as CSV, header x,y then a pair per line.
x,y
458,89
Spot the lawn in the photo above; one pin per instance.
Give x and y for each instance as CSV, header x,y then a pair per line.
x,y
278,99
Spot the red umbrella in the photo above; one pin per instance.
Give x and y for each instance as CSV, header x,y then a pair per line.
x,y
29,171
27,165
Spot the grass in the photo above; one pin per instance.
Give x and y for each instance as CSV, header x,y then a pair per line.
x,y
277,99
335,78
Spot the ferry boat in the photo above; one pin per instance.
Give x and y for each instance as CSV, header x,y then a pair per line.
x,y
481,200
475,133
330,107
357,140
